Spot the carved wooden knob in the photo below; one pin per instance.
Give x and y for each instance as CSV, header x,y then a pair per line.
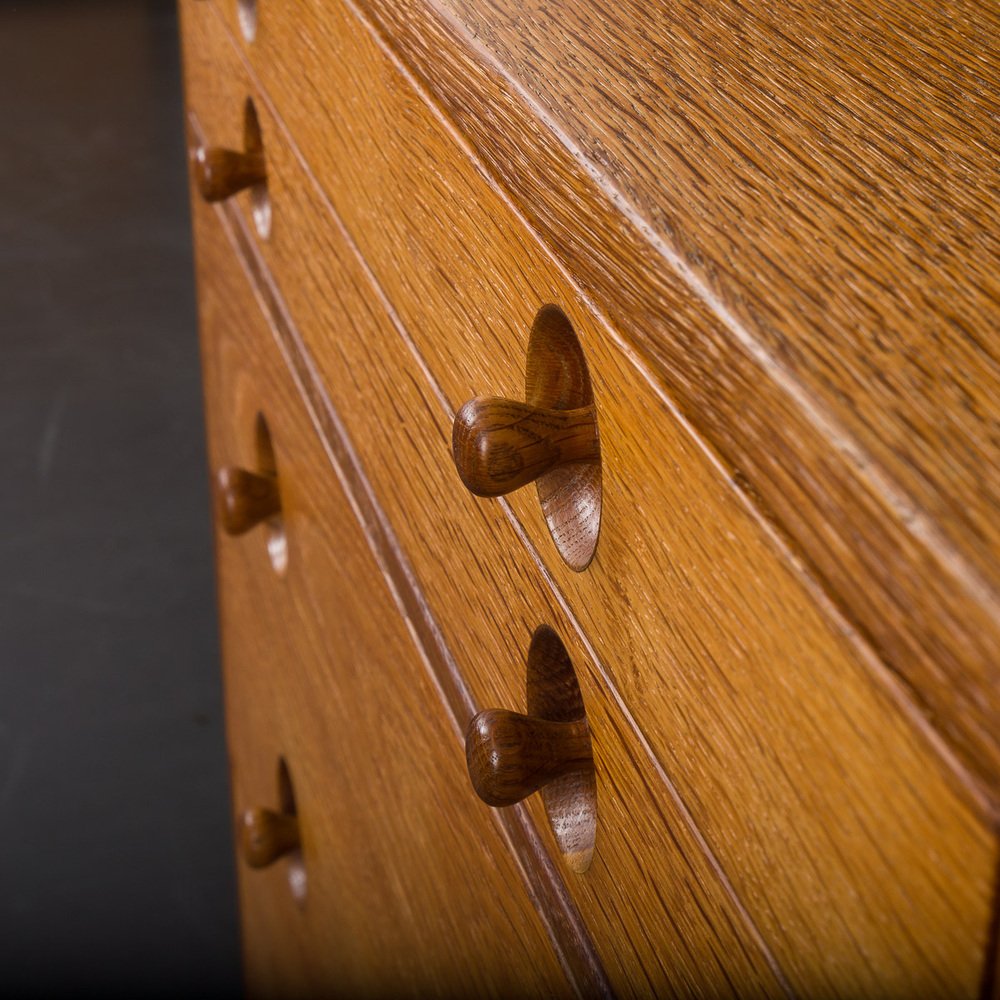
x,y
266,835
245,499
221,173
511,755
501,445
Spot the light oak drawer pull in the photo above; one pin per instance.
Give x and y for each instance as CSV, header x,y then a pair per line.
x,y
510,755
551,439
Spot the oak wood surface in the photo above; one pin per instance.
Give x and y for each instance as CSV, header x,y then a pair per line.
x,y
942,646
411,891
772,737
676,933
827,172
671,929
791,213
553,693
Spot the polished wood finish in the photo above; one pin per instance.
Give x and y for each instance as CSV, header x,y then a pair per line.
x,y
673,924
501,445
266,835
570,799
789,215
772,721
779,813
221,173
636,925
511,756
856,197
245,499
405,897
552,439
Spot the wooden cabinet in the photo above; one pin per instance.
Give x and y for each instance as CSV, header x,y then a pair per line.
x,y
787,750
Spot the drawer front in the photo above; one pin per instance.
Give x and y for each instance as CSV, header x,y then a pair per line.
x,y
739,705
410,888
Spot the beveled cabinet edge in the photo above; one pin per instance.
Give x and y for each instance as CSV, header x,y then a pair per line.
x,y
543,882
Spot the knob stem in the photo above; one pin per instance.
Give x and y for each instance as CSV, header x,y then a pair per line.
x,y
501,445
267,835
511,755
245,499
221,173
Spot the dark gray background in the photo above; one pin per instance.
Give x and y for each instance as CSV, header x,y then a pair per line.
x,y
116,871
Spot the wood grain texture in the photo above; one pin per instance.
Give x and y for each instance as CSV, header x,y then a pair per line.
x,y
829,175
876,553
501,444
791,214
818,801
551,439
570,801
661,919
678,937
511,755
411,891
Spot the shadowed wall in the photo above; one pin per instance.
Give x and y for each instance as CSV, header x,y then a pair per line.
x,y
116,872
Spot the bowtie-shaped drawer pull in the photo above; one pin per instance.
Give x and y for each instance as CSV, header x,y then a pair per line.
x,y
221,173
267,835
510,756
500,445
245,499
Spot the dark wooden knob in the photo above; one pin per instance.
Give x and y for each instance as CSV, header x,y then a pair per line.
x,y
221,173
501,445
511,755
245,499
266,835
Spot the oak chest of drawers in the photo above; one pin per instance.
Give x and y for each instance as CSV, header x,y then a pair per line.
x,y
602,406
